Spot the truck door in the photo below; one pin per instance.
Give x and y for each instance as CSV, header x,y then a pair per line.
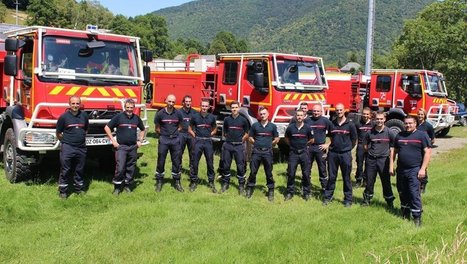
x,y
255,88
381,95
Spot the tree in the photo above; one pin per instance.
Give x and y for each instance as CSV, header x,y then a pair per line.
x,y
437,39
3,13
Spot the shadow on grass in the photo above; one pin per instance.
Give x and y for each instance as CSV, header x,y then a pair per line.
x,y
100,166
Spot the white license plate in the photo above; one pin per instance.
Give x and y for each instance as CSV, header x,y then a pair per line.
x,y
97,141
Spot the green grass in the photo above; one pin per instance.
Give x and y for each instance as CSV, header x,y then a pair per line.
x,y
202,227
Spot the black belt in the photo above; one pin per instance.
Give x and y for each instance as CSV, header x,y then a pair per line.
x,y
170,136
376,157
339,152
203,138
298,151
235,143
263,149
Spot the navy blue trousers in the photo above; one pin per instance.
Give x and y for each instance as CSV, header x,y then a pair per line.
x,y
202,146
186,142
72,160
167,144
295,159
258,157
237,152
360,174
408,186
344,162
374,166
125,159
318,155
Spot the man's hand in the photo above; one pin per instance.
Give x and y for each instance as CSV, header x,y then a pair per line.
x,y
421,174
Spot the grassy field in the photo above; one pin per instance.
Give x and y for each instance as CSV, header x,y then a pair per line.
x,y
202,227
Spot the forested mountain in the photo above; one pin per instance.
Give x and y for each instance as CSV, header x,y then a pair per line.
x,y
327,28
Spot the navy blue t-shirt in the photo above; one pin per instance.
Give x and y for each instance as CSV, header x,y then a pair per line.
x,y
379,142
235,128
320,126
73,128
203,125
126,128
187,116
298,138
411,148
428,128
363,129
342,136
168,122
263,135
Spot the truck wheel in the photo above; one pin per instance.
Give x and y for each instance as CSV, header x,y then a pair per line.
x,y
395,125
15,164
443,132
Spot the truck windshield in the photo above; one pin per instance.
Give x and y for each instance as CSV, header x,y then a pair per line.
x,y
70,58
435,84
297,74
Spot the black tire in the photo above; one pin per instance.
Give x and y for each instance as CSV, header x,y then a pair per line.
x,y
444,132
395,125
15,163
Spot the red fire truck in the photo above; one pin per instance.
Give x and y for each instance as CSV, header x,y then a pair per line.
x,y
42,68
277,81
400,93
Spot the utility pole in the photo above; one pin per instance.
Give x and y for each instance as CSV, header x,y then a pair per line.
x,y
17,4
369,37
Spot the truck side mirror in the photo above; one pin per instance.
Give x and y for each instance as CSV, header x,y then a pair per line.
x,y
146,56
9,66
13,45
146,74
415,90
258,82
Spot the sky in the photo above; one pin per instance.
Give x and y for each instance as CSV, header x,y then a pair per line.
x,y
138,7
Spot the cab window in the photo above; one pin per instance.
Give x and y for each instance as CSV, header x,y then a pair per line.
x,y
383,83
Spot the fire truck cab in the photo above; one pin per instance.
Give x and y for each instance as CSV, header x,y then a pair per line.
x,y
42,68
402,92
279,82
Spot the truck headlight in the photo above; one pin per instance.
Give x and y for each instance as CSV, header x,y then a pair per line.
x,y
39,138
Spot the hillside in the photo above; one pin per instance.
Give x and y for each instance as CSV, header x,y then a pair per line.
x,y
327,28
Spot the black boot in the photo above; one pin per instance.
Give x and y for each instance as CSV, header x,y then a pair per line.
x,y
288,196
158,185
117,190
417,221
178,186
193,186
249,192
213,187
405,212
241,189
225,187
271,195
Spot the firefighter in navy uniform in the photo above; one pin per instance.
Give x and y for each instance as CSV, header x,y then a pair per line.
x,y
202,128
379,145
263,136
186,141
412,148
168,123
343,139
298,136
363,127
71,130
425,126
126,145
320,126
235,131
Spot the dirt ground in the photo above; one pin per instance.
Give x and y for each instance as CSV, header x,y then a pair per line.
x,y
447,143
